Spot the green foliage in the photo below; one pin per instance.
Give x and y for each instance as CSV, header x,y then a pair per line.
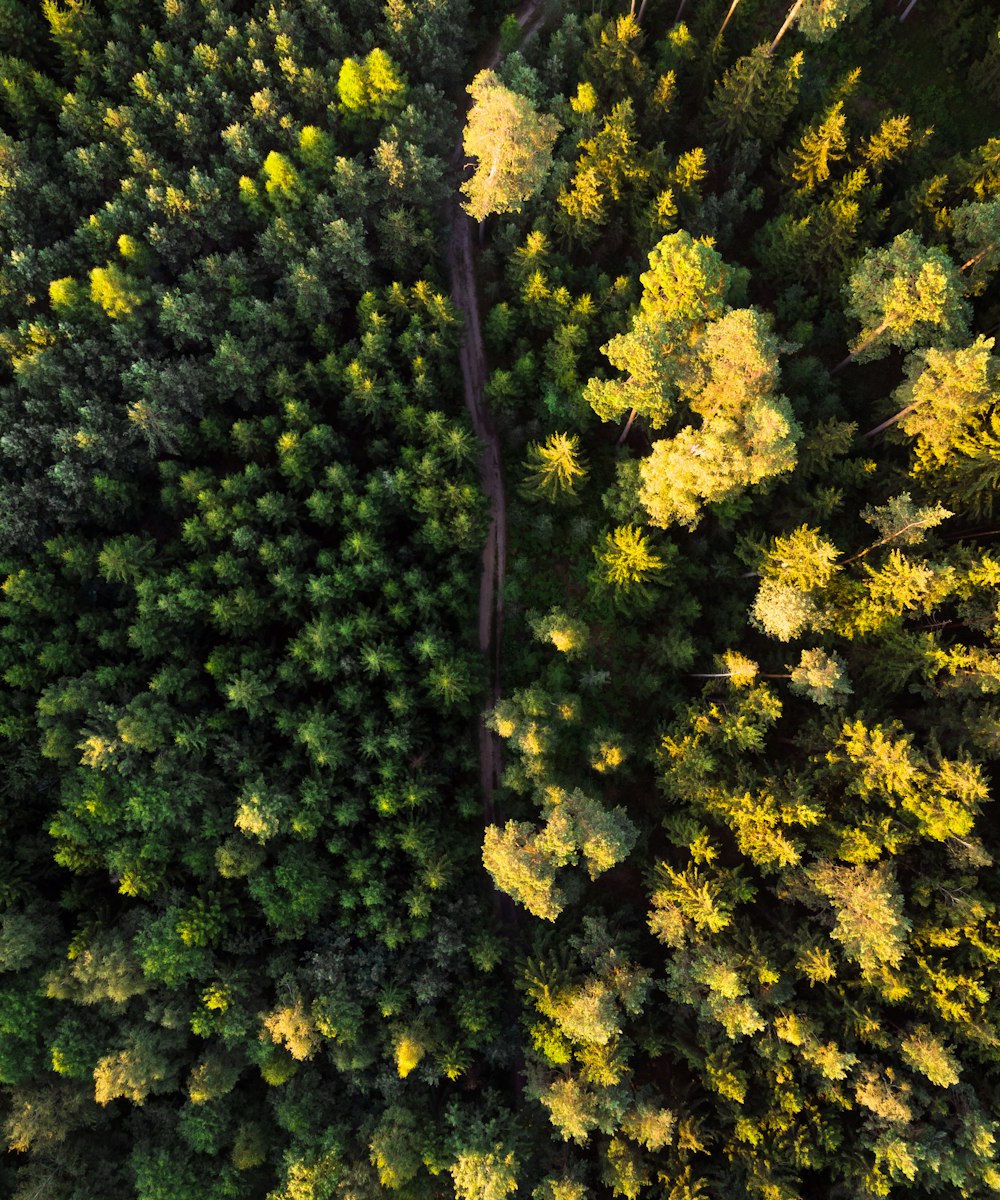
x,y
756,95
372,87
727,933
905,294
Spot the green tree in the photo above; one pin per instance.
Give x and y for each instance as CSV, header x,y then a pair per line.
x,y
818,19
975,230
755,96
904,294
684,289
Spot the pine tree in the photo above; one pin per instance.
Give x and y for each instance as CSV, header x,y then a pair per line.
x,y
819,146
904,294
556,468
755,96
818,19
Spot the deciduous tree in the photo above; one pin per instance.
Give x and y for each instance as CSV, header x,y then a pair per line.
x,y
513,144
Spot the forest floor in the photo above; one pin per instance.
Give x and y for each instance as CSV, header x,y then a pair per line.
x,y
462,270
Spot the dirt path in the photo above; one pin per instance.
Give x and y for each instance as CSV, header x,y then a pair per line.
x,y
461,268
473,361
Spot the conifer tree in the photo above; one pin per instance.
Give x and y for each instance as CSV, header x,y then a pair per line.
x,y
556,468
818,19
627,563
684,288
904,294
755,96
819,146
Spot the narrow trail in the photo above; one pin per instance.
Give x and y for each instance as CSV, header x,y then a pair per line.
x,y
462,272
473,362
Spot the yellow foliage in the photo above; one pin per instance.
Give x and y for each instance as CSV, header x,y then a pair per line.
x,y
109,287
409,1052
97,752
293,1028
63,293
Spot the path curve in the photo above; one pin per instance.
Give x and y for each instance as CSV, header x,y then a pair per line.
x,y
462,272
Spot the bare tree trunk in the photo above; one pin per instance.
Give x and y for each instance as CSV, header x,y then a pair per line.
x,y
628,426
892,420
642,12
978,257
793,12
864,346
909,8
680,10
729,675
732,9
885,541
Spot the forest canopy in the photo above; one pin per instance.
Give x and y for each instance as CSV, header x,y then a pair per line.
x,y
499,599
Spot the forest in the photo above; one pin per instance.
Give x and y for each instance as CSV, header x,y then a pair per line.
x,y
500,610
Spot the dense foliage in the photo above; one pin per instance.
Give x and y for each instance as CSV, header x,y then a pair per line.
x,y
732,926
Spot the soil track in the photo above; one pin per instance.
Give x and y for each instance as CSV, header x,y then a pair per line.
x,y
462,271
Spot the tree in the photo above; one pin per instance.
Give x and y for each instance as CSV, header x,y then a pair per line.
x,y
904,294
684,289
975,229
612,164
868,913
797,566
818,19
819,146
820,676
755,96
566,633
513,143
373,87
628,564
524,864
747,433
946,390
556,468
485,1174
112,289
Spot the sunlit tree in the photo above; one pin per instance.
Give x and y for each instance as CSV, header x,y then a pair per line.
x,y
512,142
